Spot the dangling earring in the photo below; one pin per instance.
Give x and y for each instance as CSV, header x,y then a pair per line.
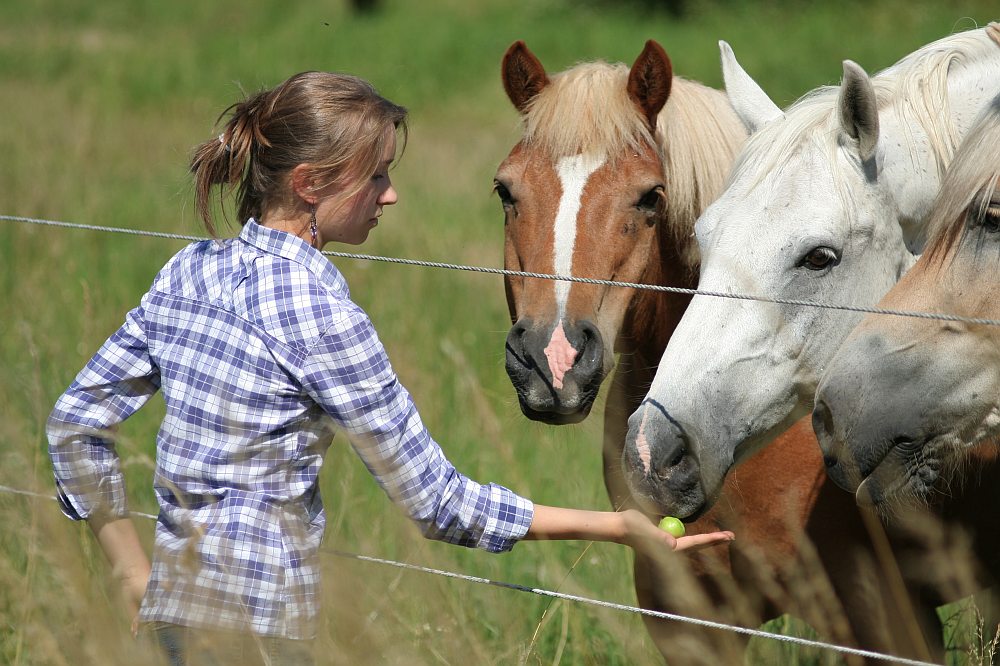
x,y
312,226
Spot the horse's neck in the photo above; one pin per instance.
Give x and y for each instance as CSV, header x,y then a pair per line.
x,y
652,316
917,151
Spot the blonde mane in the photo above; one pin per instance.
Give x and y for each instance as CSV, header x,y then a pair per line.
x,y
916,88
586,109
975,172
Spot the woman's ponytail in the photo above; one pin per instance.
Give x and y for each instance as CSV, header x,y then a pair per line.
x,y
224,161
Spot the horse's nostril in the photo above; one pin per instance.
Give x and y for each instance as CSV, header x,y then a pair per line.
x,y
588,342
677,459
822,419
907,445
829,461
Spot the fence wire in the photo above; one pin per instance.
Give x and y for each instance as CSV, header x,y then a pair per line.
x,y
864,309
746,631
567,278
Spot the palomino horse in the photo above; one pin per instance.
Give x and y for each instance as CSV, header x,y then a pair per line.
x,y
823,205
908,408
613,168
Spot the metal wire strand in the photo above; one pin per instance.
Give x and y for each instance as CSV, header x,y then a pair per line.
x,y
972,321
804,642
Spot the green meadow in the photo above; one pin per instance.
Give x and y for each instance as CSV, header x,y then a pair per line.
x,y
100,105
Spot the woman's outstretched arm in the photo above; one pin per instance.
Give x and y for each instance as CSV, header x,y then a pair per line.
x,y
630,527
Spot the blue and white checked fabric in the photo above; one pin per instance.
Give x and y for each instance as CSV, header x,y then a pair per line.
x,y
261,356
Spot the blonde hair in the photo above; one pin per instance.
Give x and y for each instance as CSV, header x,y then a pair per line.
x,y
974,173
335,123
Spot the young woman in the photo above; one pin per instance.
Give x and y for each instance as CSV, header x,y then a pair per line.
x,y
262,355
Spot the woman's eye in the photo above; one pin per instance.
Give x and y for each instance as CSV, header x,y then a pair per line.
x,y
650,201
819,258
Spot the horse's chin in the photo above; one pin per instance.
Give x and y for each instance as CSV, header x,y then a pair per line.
x,y
539,402
894,484
551,417
688,504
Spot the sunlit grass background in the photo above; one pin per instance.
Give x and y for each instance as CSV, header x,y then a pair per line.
x,y
100,103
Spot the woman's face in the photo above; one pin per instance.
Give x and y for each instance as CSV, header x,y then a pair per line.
x,y
350,221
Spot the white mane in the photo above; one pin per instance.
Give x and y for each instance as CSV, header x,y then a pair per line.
x,y
915,88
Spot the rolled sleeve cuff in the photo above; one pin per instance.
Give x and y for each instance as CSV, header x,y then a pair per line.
x,y
510,518
107,499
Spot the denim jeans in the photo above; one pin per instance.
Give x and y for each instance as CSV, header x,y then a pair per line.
x,y
185,646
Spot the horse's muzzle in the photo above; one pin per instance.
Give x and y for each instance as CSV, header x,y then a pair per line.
x,y
662,473
556,373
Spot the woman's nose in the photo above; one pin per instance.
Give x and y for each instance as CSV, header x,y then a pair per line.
x,y
389,197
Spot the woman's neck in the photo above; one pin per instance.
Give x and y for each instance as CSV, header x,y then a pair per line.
x,y
293,222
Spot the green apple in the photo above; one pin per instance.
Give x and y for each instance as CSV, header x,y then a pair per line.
x,y
672,526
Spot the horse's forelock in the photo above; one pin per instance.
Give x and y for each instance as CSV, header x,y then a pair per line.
x,y
974,172
586,109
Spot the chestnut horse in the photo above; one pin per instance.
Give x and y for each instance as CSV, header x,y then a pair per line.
x,y
938,381
614,167
920,398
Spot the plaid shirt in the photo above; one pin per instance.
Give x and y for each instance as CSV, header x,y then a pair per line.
x,y
261,356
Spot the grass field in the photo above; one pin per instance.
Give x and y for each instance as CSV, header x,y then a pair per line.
x,y
101,103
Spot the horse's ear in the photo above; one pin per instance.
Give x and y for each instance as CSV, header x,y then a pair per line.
x,y
858,108
649,81
523,75
751,104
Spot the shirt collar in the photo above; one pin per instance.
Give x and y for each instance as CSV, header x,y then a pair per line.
x,y
293,248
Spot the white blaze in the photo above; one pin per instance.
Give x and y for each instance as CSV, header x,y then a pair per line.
x,y
641,443
573,175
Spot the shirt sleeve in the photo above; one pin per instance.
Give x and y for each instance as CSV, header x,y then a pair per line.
x,y
118,380
349,376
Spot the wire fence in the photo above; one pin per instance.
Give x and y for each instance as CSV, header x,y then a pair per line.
x,y
863,309
746,631
803,642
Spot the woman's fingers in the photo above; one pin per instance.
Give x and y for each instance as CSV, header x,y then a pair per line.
x,y
707,540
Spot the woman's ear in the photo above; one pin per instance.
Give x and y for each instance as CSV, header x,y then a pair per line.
x,y
304,184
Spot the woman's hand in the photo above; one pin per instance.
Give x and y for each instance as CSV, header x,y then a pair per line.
x,y
631,527
642,533
132,585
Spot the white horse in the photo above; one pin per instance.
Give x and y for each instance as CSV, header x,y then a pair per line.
x,y
823,204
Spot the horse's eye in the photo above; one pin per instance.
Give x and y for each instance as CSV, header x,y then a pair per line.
x,y
991,218
505,197
819,258
651,201
984,212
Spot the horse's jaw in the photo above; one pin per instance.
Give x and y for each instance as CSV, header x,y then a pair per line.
x,y
898,414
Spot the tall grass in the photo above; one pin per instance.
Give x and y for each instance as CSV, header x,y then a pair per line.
x,y
100,104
